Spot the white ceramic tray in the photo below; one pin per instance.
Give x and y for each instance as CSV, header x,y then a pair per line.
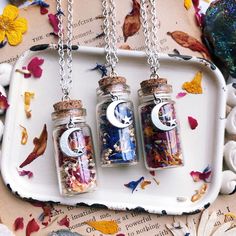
x,y
202,147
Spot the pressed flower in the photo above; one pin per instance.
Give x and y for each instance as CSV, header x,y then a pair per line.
x,y
64,222
133,184
26,172
195,85
3,102
205,175
27,100
40,145
24,135
32,227
104,226
12,27
192,122
53,20
19,223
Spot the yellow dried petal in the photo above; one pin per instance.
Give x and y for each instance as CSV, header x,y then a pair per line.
x,y
27,99
187,4
11,12
231,214
14,37
24,135
199,193
145,183
21,25
104,226
194,86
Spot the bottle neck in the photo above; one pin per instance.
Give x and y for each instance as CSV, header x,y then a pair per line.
x,y
70,121
152,97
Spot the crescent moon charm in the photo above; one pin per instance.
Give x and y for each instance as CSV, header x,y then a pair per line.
x,y
64,144
156,118
111,115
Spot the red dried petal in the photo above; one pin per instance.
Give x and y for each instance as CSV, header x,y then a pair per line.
x,y
3,102
39,148
34,67
19,223
53,20
197,176
31,227
152,172
26,172
64,222
43,10
188,41
192,122
132,21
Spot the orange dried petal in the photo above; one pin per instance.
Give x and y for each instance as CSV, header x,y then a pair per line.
x,y
188,4
194,86
104,226
145,183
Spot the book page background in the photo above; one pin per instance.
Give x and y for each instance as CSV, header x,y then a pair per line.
x,y
172,16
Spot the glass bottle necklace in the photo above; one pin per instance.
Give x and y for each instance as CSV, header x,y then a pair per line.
x,y
115,111
73,144
157,115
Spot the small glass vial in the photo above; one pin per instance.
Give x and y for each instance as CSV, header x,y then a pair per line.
x,y
159,127
115,122
74,152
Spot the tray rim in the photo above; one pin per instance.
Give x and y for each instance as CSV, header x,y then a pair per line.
x,y
125,53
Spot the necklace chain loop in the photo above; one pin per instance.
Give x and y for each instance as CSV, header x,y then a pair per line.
x,y
109,24
148,14
65,75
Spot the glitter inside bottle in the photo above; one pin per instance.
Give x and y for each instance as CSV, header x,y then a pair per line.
x,y
159,127
74,152
116,125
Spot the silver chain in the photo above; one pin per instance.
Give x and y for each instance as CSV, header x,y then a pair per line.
x,y
65,78
109,23
148,14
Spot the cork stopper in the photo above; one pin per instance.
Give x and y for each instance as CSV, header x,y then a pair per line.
x,y
107,82
66,105
155,86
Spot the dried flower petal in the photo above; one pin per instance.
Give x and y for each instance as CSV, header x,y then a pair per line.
x,y
187,4
27,100
26,172
53,20
230,214
45,217
152,172
104,226
192,122
34,67
101,68
64,222
205,175
133,184
181,94
194,86
132,21
43,10
145,183
3,102
199,193
31,227
190,42
24,135
40,145
157,182
19,223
